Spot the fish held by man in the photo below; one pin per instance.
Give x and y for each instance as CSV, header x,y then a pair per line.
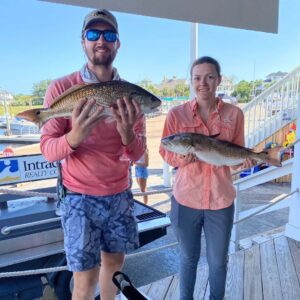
x,y
217,152
105,94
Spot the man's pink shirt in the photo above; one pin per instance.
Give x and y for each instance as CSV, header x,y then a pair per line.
x,y
97,167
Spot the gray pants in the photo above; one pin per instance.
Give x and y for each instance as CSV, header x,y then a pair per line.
x,y
187,224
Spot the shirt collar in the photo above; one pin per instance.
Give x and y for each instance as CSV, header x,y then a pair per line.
x,y
194,105
89,77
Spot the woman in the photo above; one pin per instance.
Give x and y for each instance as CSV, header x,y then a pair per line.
x,y
203,194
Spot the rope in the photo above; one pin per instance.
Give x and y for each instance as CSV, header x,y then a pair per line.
x,y
7,229
54,196
64,268
28,193
33,272
266,207
152,250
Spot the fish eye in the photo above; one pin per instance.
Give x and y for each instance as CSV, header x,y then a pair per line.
x,y
38,113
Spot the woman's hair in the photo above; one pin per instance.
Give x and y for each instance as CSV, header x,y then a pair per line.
x,y
206,60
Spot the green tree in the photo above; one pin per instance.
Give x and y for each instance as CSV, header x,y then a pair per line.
x,y
21,99
152,89
182,89
39,90
243,91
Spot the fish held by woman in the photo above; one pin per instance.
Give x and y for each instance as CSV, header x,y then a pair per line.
x,y
217,152
105,94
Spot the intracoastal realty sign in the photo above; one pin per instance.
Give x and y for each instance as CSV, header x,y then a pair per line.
x,y
18,169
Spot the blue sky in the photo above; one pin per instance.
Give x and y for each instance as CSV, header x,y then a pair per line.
x,y
41,40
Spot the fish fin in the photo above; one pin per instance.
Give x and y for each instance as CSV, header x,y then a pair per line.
x,y
72,89
274,156
33,115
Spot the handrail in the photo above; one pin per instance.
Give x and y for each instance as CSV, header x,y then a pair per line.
x,y
272,109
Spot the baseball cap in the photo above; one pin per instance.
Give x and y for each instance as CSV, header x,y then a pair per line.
x,y
100,15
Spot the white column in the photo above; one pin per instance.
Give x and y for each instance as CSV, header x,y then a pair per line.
x,y
167,175
293,227
193,50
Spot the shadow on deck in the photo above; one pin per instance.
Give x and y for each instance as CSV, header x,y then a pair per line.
x,y
270,270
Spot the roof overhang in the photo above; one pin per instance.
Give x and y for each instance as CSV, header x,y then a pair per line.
x,y
259,15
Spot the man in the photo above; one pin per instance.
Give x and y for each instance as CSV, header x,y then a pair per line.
x,y
97,218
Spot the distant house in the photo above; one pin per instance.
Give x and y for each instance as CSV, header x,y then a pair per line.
x,y
171,83
5,96
275,76
226,86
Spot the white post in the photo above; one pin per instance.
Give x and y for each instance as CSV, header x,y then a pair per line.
x,y
193,50
292,229
235,237
167,175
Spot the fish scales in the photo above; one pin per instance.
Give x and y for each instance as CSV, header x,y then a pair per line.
x,y
105,94
217,152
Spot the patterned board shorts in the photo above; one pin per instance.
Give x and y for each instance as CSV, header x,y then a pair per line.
x,y
97,223
141,172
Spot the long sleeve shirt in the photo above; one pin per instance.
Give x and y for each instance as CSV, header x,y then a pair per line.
x,y
99,165
200,185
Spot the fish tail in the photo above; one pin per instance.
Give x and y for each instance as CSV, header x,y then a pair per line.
x,y
274,156
35,116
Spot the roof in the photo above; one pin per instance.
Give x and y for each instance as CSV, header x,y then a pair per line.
x,y
244,14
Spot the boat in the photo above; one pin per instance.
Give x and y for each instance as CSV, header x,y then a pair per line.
x,y
22,127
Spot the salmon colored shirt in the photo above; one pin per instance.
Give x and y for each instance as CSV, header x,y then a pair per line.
x,y
97,166
200,185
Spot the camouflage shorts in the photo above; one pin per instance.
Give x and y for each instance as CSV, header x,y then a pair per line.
x,y
97,223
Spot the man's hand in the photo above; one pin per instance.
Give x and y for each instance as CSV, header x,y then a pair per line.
x,y
126,113
84,120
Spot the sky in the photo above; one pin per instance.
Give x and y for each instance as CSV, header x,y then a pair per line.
x,y
40,40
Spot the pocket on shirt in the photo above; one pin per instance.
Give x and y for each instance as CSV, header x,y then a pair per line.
x,y
225,130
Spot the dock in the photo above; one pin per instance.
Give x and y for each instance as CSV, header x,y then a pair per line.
x,y
270,270
20,139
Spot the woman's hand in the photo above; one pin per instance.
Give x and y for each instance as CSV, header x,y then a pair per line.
x,y
189,158
249,163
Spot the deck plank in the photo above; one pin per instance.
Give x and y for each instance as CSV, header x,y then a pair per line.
x,y
295,251
252,280
173,292
159,289
269,272
235,276
201,281
144,289
288,277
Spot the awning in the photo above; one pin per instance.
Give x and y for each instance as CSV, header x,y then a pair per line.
x,y
259,15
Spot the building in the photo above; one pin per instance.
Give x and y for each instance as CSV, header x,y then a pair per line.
x,y
171,83
226,86
275,76
5,97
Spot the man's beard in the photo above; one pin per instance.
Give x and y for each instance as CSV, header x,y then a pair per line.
x,y
105,61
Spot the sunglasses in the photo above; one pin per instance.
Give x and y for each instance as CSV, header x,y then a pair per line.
x,y
93,35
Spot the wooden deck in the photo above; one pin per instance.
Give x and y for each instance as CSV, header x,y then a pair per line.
x,y
269,271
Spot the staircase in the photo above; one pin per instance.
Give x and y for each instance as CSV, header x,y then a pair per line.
x,y
272,109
